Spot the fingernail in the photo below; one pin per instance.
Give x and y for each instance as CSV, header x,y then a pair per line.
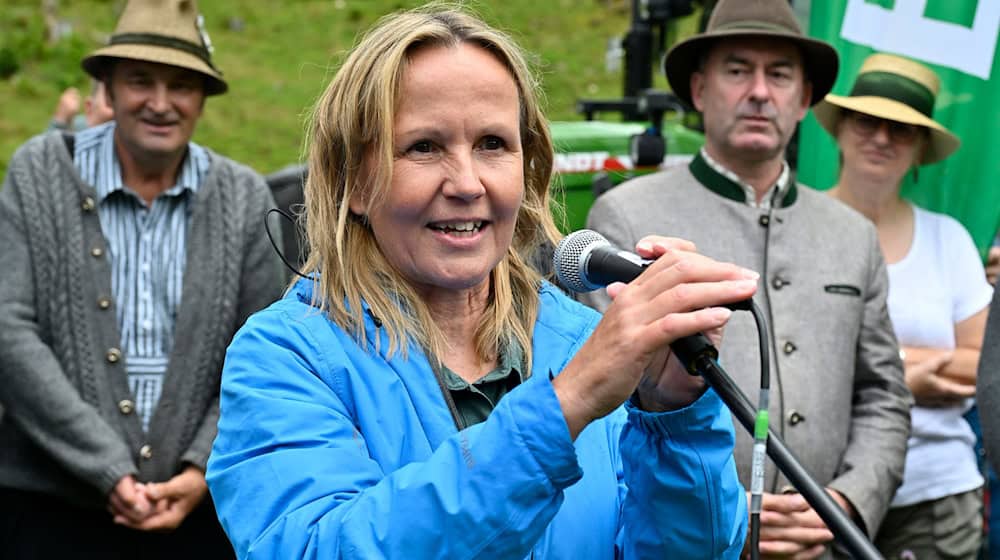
x,y
644,246
750,274
721,314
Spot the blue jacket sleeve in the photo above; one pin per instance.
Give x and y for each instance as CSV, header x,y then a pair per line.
x,y
683,490
292,477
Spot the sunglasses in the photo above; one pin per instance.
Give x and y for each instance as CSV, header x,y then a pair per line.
x,y
867,125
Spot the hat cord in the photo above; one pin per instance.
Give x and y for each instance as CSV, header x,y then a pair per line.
x,y
164,41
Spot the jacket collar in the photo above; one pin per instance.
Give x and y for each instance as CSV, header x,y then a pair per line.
x,y
725,187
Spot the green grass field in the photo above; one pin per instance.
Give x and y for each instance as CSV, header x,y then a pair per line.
x,y
278,55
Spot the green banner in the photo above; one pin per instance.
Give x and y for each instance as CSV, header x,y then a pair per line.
x,y
956,38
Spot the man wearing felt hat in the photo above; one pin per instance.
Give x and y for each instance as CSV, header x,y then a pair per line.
x,y
938,299
837,392
131,255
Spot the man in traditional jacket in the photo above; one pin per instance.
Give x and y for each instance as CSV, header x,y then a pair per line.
x,y
130,257
837,393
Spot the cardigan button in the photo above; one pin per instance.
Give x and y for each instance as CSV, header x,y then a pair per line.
x,y
778,282
126,406
789,347
104,303
795,418
146,452
97,252
113,356
764,220
88,204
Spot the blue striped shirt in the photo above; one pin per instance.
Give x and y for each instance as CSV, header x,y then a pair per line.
x,y
146,249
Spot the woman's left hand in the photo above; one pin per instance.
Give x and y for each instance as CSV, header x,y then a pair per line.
x,y
666,384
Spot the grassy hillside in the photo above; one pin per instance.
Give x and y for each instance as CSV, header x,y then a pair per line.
x,y
278,55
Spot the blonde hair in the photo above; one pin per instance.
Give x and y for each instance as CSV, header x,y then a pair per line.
x,y
352,120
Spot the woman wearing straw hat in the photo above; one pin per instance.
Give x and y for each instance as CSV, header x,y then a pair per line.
x,y
938,299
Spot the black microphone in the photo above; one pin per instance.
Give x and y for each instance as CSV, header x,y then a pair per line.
x,y
585,261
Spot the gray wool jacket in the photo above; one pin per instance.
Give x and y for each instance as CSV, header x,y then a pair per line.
x,y
67,427
837,393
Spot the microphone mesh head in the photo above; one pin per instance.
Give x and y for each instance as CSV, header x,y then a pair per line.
x,y
569,259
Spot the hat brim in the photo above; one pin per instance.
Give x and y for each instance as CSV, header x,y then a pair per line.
x,y
942,142
96,63
820,60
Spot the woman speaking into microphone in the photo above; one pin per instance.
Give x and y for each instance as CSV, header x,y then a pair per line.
x,y
425,393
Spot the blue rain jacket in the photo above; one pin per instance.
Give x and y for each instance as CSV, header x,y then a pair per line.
x,y
327,449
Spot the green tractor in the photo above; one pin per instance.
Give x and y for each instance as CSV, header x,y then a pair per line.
x,y
593,156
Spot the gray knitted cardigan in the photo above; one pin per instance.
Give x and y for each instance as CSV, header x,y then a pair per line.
x,y
65,429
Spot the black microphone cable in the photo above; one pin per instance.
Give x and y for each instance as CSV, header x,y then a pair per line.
x,y
270,237
763,405
690,354
760,430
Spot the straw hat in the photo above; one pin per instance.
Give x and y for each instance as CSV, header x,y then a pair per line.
x,y
894,88
164,31
751,18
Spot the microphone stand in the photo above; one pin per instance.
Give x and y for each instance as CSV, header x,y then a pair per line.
x,y
699,356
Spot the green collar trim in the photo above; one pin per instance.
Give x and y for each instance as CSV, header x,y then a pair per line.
x,y
726,188
715,181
